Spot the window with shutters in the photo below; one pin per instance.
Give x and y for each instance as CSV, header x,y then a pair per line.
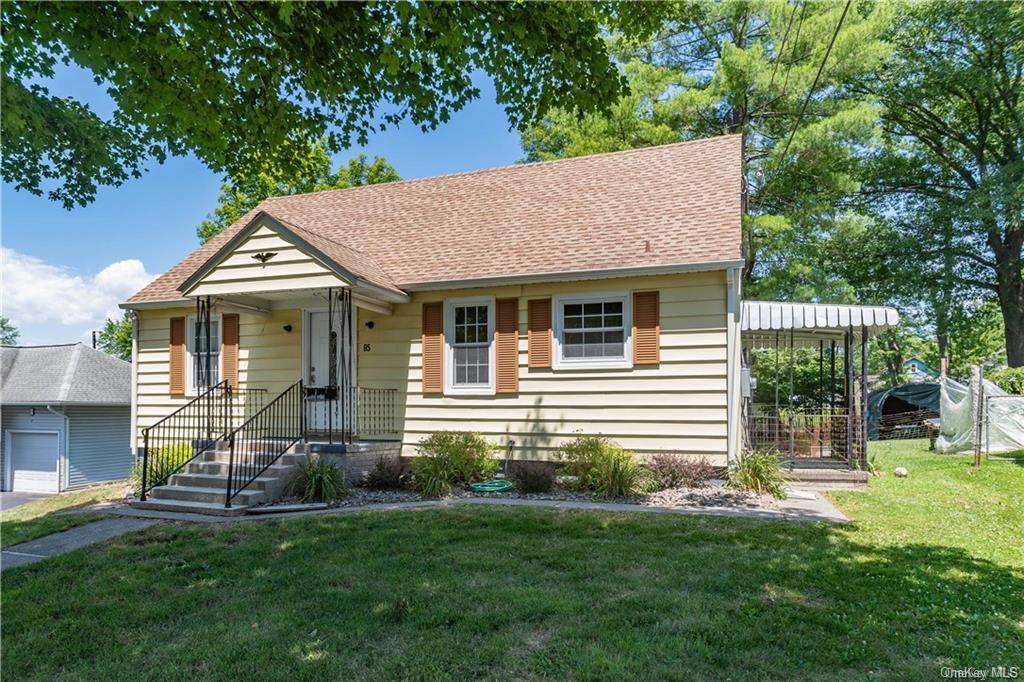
x,y
593,331
195,362
469,337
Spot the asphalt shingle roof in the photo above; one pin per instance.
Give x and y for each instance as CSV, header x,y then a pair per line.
x,y
676,204
71,373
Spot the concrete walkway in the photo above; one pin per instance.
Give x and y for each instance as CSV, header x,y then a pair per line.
x,y
68,540
818,508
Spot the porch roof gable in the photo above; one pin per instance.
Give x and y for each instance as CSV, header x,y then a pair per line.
x,y
271,254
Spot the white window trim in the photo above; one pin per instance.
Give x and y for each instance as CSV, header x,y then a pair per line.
x,y
190,363
449,350
626,362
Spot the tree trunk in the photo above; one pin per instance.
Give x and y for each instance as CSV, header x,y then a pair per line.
x,y
1011,302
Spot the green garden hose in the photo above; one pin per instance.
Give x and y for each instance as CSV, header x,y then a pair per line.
x,y
495,486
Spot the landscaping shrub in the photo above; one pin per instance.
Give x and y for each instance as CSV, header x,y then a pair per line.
x,y
679,471
388,474
601,465
318,480
163,461
759,471
532,477
1010,379
452,457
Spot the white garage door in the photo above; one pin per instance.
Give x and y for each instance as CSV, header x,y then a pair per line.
x,y
34,462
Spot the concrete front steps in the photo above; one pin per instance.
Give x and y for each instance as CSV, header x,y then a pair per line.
x,y
825,474
200,488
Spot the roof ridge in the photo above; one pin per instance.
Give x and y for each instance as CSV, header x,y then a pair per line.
x,y
508,166
46,345
69,373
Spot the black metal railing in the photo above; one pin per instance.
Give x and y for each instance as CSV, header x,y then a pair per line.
x,y
376,409
341,416
181,436
191,430
261,440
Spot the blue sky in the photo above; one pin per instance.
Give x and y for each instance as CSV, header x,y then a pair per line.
x,y
65,271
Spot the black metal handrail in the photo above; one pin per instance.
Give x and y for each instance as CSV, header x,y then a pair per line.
x,y
261,440
193,429
177,439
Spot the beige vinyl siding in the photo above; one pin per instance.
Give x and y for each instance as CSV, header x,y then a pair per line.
x,y
289,269
676,405
268,357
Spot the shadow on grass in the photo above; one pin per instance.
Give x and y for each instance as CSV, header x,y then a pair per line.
x,y
529,593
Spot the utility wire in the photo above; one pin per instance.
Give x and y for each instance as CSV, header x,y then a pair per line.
x,y
782,47
814,84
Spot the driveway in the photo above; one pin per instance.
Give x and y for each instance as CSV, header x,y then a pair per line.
x,y
9,500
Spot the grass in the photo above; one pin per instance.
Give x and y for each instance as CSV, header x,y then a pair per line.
x,y
43,517
929,574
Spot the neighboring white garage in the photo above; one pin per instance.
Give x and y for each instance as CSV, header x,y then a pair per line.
x,y
65,416
35,458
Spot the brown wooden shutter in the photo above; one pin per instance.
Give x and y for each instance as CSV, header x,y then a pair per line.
x,y
539,332
433,348
506,342
646,328
176,374
229,350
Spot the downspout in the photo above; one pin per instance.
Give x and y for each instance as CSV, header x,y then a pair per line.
x,y
732,364
133,439
62,460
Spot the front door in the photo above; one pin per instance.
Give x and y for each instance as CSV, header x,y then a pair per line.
x,y
329,401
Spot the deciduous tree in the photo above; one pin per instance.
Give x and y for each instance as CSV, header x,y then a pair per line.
x,y
243,85
239,195
949,175
116,338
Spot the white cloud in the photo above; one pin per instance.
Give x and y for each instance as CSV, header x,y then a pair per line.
x,y
52,301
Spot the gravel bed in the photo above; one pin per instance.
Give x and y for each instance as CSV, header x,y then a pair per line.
x,y
712,496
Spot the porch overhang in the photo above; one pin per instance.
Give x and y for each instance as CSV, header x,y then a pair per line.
x,y
809,317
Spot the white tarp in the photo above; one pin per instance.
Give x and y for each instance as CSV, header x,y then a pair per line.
x,y
1003,418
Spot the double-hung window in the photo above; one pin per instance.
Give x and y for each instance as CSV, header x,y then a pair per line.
x,y
198,379
469,331
592,331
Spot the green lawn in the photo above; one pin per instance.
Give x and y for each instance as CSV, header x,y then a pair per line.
x,y
931,573
45,516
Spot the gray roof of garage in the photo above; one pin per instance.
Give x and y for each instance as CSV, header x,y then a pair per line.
x,y
71,373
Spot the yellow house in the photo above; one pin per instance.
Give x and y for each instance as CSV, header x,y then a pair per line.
x,y
530,303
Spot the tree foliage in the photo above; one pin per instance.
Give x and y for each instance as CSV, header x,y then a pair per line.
x,y
116,338
947,175
243,85
239,195
9,334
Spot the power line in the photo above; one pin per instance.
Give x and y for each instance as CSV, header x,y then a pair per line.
x,y
782,46
814,84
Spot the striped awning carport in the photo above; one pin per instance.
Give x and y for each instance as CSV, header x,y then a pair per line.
x,y
782,316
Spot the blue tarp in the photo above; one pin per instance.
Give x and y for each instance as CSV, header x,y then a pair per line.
x,y
923,396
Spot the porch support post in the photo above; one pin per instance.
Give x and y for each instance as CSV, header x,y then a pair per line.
x,y
848,366
864,397
776,415
789,416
